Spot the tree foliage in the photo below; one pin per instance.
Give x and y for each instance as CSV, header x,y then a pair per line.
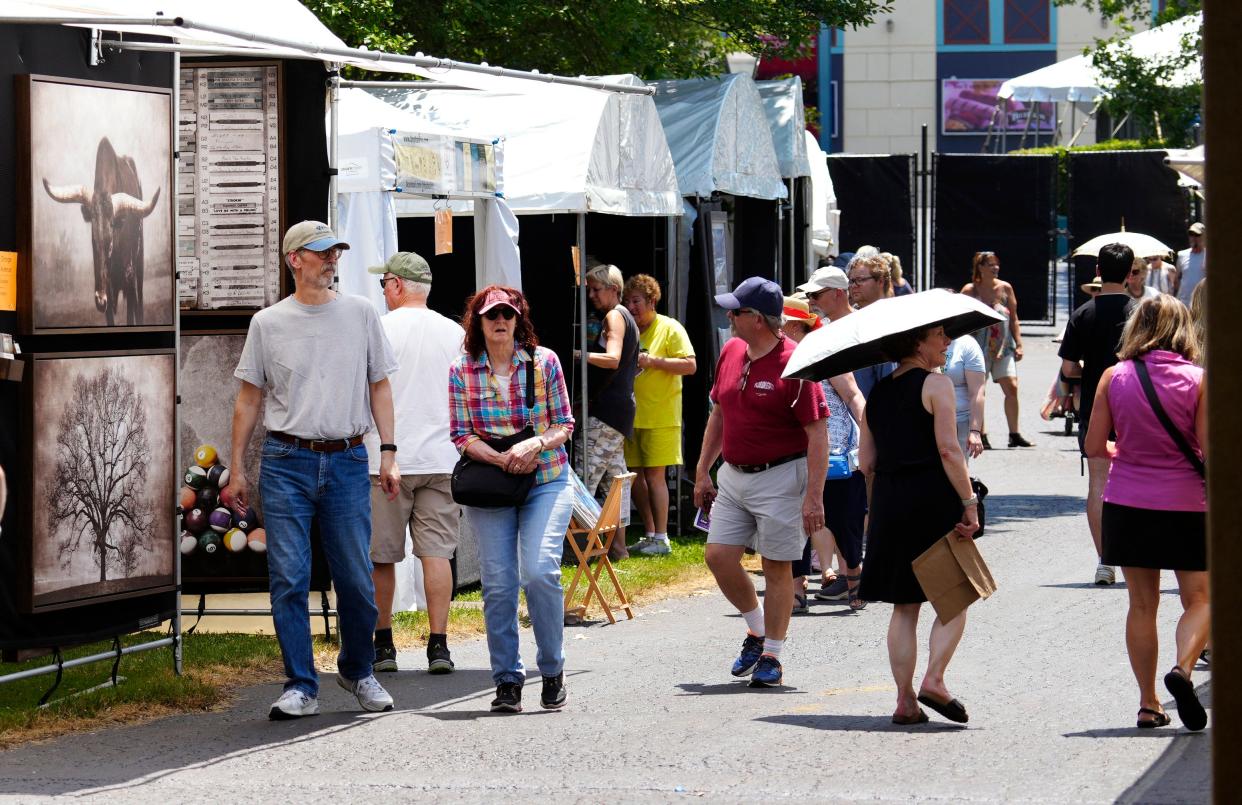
x,y
650,38
1141,86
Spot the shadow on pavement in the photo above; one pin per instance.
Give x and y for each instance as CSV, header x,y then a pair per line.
x,y
127,757
842,723
725,688
1023,508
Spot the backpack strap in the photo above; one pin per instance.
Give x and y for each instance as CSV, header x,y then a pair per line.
x,y
1140,368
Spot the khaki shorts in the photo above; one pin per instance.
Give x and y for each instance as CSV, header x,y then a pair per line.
x,y
425,503
1004,366
761,510
654,447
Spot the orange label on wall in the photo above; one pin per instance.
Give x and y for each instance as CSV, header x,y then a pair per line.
x,y
8,280
444,231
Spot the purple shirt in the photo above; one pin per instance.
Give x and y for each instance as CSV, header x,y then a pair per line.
x,y
1149,471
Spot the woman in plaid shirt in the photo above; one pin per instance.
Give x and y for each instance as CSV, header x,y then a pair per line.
x,y
519,547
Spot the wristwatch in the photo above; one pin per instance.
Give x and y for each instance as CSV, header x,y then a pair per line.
x,y
392,448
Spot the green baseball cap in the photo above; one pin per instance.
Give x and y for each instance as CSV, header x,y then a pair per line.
x,y
406,265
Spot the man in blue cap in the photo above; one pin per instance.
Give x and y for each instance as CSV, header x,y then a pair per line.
x,y
775,449
322,361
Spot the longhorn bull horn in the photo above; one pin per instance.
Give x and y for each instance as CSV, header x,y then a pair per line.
x,y
125,204
68,194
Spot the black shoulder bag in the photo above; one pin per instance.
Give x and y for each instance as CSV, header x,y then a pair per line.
x,y
1140,368
477,483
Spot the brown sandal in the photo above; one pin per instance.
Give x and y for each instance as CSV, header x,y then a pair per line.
x,y
856,603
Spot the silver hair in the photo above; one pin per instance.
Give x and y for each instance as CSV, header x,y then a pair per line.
x,y
607,275
775,323
415,287
865,251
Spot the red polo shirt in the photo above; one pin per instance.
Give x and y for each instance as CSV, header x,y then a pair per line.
x,y
766,420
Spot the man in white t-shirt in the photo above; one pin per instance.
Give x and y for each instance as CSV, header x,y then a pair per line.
x,y
425,344
1191,264
965,364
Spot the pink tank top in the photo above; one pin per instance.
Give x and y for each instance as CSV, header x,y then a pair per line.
x,y
1149,471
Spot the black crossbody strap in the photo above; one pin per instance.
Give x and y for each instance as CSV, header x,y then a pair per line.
x,y
1140,368
530,388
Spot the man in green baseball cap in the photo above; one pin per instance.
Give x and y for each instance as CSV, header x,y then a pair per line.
x,y
426,344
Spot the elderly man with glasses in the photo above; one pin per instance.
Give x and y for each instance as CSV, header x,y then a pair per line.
x,y
323,362
775,448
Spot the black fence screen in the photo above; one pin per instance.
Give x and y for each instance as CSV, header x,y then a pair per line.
x,y
1109,189
1002,204
875,195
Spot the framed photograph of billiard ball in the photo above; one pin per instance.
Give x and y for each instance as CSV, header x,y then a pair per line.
x,y
99,518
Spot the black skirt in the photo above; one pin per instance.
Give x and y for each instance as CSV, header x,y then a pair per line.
x,y
1154,538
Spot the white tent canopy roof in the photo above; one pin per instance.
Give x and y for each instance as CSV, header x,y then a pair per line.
x,y
567,149
1076,79
719,137
782,103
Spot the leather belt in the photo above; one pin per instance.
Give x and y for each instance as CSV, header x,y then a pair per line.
x,y
317,445
753,468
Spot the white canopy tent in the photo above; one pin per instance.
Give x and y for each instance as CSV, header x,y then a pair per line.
x,y
825,218
368,196
1076,79
782,104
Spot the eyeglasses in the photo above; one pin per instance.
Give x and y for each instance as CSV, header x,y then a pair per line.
x,y
384,282
860,280
499,311
745,376
741,310
331,253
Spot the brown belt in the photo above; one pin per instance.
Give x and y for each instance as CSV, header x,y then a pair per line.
x,y
753,468
317,445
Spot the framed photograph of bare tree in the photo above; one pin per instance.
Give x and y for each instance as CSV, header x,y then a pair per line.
x,y
103,482
95,228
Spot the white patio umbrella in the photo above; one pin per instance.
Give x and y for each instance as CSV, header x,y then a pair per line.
x,y
1142,245
853,342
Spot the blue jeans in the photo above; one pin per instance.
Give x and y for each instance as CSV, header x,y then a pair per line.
x,y
521,547
299,484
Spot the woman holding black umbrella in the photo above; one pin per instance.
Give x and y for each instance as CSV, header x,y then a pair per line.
x,y
920,491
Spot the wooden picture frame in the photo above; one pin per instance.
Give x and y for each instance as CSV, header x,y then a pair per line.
x,y
96,207
99,446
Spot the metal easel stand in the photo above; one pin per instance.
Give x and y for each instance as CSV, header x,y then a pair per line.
x,y
326,611
60,664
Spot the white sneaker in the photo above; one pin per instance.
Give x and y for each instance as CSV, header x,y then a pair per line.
x,y
1104,575
293,703
369,692
654,548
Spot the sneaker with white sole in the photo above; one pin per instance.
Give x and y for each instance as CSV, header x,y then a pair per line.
x,y
369,692
654,548
1104,575
292,704
642,543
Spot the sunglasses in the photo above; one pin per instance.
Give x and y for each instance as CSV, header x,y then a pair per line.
x,y
860,280
331,253
499,311
1134,272
385,280
745,376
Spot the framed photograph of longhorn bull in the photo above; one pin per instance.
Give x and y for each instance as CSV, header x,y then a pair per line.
x,y
97,515
95,173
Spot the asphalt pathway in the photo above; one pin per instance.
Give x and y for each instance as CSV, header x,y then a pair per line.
x,y
653,714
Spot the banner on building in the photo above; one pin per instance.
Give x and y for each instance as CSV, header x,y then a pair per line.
x,y
968,105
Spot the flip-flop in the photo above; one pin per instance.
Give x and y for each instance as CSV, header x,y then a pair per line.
x,y
952,709
1189,709
1161,719
918,718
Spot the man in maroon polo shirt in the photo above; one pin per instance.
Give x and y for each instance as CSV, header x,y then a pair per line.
x,y
772,480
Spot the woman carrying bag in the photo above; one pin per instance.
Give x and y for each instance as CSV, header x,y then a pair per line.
x,y
509,415
1155,501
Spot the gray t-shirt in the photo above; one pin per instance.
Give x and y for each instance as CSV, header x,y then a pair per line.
x,y
316,363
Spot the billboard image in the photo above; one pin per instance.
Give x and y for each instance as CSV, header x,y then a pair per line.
x,y
967,106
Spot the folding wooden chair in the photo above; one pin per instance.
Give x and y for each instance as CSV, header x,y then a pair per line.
x,y
596,538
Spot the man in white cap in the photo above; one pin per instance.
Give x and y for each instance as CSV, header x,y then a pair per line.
x,y
323,362
426,344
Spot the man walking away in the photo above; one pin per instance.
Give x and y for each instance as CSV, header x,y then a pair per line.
x,y
775,450
1191,264
1090,346
426,344
323,362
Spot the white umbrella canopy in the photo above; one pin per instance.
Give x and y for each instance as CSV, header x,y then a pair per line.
x,y
1142,245
853,342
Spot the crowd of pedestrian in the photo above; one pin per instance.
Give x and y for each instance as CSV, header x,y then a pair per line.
x,y
866,469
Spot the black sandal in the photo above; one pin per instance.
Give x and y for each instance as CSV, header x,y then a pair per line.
x,y
1189,708
1161,718
851,588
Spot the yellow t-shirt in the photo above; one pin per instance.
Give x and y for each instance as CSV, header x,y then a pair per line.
x,y
658,393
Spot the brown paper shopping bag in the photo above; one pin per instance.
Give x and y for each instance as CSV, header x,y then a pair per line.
x,y
953,575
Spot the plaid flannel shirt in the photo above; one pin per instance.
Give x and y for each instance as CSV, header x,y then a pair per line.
x,y
478,411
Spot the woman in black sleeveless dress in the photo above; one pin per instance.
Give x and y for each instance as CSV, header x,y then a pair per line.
x,y
920,491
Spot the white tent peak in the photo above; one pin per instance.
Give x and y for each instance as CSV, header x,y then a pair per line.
x,y
719,137
782,102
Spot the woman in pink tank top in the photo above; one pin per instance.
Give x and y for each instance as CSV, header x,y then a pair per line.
x,y
1155,500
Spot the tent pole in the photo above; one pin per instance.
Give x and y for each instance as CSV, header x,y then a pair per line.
x,y
176,127
1090,116
334,100
582,343
1030,113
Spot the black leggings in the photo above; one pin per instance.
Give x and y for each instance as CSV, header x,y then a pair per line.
x,y
845,507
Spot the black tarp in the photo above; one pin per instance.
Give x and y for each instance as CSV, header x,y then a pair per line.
x,y
876,197
1003,204
1109,188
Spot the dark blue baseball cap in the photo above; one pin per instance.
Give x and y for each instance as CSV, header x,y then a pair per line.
x,y
755,293
843,260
